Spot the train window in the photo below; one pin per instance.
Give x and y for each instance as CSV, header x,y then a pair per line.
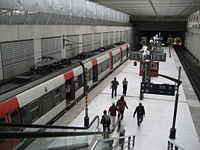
x,y
108,63
57,92
14,117
78,82
3,120
113,59
90,74
102,67
34,109
99,69
57,97
46,102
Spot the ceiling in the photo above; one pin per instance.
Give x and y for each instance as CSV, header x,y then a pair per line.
x,y
160,10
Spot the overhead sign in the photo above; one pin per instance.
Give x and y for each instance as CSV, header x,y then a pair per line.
x,y
136,55
161,89
158,56
158,38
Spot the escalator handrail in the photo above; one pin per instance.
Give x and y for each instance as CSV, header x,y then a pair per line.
x,y
52,127
20,135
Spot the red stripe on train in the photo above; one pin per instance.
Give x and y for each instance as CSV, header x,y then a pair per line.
x,y
8,106
94,62
110,54
68,75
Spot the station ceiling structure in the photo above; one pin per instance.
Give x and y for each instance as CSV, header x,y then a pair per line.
x,y
162,10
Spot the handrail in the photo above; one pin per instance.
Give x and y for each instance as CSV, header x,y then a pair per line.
x,y
52,127
172,145
19,135
121,142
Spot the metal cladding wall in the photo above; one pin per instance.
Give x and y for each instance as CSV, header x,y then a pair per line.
x,y
112,38
105,38
86,42
26,44
97,40
51,47
192,37
17,57
59,12
72,46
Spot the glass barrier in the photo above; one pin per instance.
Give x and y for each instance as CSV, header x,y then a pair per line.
x,y
63,136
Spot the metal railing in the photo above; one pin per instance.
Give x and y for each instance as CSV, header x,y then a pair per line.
x,y
124,142
172,146
49,126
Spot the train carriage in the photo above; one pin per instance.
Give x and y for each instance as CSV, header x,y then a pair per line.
x,y
34,103
40,101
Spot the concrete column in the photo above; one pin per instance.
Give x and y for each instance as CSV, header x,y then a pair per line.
x,y
114,37
93,41
108,38
80,43
101,39
37,50
1,67
63,49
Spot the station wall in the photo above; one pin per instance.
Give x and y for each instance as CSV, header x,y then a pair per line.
x,y
22,46
192,37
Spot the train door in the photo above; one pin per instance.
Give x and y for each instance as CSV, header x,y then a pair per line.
x,y
111,60
4,144
12,117
121,54
70,90
95,73
127,49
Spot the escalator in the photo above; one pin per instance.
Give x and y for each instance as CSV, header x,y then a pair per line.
x,y
42,137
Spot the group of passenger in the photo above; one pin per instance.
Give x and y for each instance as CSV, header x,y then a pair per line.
x,y
117,110
114,85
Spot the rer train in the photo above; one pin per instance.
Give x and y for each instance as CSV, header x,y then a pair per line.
x,y
177,41
40,101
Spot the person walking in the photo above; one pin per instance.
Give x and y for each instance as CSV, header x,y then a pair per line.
x,y
140,113
105,121
113,112
114,85
125,84
121,105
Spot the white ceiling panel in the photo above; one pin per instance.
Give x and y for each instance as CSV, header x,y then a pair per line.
x,y
153,8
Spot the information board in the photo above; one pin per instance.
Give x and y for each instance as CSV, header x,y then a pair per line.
x,y
136,55
161,89
158,56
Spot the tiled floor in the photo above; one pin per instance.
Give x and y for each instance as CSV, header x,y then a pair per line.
x,y
153,134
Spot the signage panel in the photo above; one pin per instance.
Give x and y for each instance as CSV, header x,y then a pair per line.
x,y
158,56
161,89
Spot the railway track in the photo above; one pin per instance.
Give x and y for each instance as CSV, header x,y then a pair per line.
x,y
191,67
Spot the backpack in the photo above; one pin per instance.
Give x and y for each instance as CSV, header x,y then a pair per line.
x,y
102,120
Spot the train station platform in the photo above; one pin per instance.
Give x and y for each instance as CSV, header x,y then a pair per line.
x,y
153,134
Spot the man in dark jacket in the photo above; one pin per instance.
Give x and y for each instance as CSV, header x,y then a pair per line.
x,y
105,121
114,85
124,83
140,113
